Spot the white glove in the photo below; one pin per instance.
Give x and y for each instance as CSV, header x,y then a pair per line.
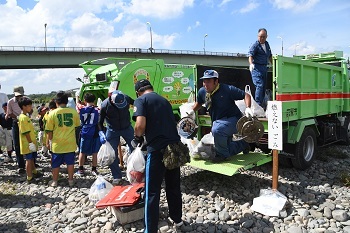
x,y
191,114
251,67
32,147
248,112
40,136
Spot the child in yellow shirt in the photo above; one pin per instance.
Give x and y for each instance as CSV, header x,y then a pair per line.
x,y
27,139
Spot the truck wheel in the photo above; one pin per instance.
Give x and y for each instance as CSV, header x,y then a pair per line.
x,y
305,150
346,127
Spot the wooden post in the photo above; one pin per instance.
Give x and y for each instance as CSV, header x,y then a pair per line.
x,y
274,169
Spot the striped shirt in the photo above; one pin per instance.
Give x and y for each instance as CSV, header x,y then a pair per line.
x,y
13,107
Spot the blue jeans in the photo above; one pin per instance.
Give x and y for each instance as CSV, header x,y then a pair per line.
x,y
155,172
113,137
259,77
222,131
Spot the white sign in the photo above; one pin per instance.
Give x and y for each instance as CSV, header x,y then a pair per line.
x,y
274,112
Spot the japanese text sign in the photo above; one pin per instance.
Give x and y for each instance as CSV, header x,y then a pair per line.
x,y
274,113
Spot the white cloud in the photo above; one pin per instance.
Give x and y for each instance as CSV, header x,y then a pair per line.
x,y
302,48
163,9
249,7
295,5
40,81
196,24
224,2
118,18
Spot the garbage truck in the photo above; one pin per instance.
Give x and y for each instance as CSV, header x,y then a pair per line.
x,y
313,91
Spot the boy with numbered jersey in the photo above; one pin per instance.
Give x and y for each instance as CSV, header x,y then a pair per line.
x,y
27,139
60,128
89,138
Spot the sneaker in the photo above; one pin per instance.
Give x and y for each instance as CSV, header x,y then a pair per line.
x,y
37,175
80,173
117,181
95,173
53,183
32,181
183,226
70,183
8,160
21,171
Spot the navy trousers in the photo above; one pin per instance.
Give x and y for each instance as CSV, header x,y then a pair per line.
x,y
15,135
222,131
155,173
259,76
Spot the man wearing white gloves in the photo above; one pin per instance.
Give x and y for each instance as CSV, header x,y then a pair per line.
x,y
219,99
259,57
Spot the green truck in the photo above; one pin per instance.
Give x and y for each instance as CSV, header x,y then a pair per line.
x,y
313,89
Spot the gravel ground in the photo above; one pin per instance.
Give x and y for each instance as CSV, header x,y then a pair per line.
x,y
318,200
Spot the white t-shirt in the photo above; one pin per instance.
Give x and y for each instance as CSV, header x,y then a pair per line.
x,y
3,99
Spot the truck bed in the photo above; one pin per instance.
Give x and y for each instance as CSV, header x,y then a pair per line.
x,y
235,165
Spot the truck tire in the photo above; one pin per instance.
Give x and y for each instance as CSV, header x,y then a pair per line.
x,y
346,128
305,149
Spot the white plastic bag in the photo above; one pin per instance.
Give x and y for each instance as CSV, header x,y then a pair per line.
x,y
241,105
205,149
258,111
135,167
270,202
106,155
191,144
99,189
185,109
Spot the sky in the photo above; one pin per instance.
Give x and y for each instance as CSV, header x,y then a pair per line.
x,y
304,27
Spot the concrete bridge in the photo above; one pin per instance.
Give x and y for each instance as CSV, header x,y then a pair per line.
x,y
27,57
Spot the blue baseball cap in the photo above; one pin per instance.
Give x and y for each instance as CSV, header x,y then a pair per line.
x,y
210,74
118,99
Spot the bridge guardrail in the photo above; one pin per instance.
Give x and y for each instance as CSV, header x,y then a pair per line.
x,y
116,50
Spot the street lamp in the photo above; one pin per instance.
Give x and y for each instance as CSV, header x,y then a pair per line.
x,y
295,49
45,34
279,37
150,32
204,42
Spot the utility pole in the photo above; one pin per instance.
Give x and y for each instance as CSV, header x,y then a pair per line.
x,y
204,42
45,35
150,32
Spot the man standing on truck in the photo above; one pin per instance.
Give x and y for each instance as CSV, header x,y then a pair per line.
x,y
155,119
259,57
219,100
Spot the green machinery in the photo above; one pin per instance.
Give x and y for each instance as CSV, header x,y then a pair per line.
x,y
313,89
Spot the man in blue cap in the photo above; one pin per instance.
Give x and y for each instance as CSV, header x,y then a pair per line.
x,y
219,100
115,110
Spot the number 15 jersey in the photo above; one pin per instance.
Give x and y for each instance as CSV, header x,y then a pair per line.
x,y
62,123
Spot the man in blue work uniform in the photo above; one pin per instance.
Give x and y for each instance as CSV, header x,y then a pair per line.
x,y
115,110
219,99
259,57
155,119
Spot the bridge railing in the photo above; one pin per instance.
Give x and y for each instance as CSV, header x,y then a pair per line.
x,y
116,50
